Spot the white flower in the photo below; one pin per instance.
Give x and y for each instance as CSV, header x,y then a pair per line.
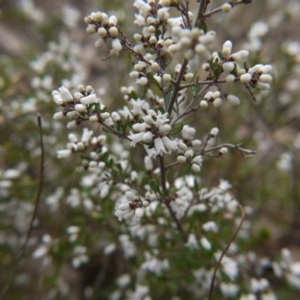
x,y
188,132
143,7
65,94
210,226
192,242
110,248
40,252
89,99
148,163
63,153
135,138
123,280
159,146
86,135
240,56
169,144
205,243
258,30
234,100
116,45
229,289
139,20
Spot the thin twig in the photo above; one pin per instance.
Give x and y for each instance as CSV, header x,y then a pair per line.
x,y
203,82
238,147
202,8
40,187
177,86
204,152
164,187
162,173
218,9
34,214
225,251
190,107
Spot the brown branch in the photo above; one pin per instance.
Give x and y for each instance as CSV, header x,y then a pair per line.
x,y
201,11
34,214
218,9
40,187
164,188
177,86
225,251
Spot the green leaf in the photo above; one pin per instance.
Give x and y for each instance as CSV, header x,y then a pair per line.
x,y
202,25
140,178
161,109
152,80
133,95
96,107
220,55
177,128
151,145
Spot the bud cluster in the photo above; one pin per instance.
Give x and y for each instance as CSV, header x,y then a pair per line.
x,y
106,27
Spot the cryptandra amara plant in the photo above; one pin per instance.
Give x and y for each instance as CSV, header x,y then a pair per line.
x,y
147,160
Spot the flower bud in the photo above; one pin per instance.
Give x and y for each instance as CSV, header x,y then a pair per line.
x,y
189,153
91,29
226,50
223,150
139,212
230,78
58,115
165,129
228,66
93,119
217,102
99,43
96,17
182,147
226,7
234,100
124,206
80,107
203,104
240,56
214,132
196,168
116,44
265,78
181,159
112,21
266,69
245,78
113,31
102,32
147,137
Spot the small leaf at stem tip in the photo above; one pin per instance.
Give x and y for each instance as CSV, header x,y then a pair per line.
x,y
202,25
220,55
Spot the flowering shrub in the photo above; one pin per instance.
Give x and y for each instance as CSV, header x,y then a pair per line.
x,y
130,194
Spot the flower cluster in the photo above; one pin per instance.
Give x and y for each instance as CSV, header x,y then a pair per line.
x,y
154,131
143,161
106,27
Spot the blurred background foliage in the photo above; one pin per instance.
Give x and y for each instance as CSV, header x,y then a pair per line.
x,y
268,182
